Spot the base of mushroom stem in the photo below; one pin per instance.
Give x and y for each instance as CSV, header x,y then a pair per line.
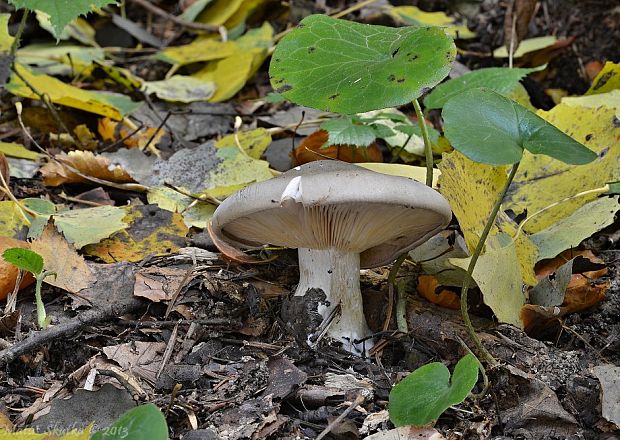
x,y
337,274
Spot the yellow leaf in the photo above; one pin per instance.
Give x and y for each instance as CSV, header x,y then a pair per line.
x,y
609,99
11,221
152,231
412,15
498,276
61,170
198,214
254,142
72,273
526,46
246,9
231,73
101,103
399,169
542,181
608,79
472,189
31,434
202,49
219,11
6,41
113,131
18,151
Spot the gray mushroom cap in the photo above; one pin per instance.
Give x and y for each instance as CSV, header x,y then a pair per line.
x,y
332,204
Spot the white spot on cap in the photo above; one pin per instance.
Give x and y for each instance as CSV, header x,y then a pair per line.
x,y
292,192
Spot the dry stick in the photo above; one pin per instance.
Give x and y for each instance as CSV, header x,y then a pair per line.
x,y
69,327
358,401
472,264
173,18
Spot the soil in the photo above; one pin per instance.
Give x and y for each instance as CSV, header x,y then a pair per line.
x,y
224,364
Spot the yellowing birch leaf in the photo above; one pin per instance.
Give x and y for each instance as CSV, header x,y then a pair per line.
x,y
526,46
542,181
202,49
6,40
152,231
472,189
245,10
181,88
413,16
231,73
609,99
254,142
498,276
219,11
101,103
11,220
608,79
18,151
72,273
85,162
198,214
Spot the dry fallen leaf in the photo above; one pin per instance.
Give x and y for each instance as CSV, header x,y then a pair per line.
x,y
5,173
72,273
8,272
429,288
60,170
113,131
158,283
516,22
311,149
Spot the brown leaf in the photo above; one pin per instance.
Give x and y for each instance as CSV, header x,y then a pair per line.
x,y
158,283
8,272
516,22
60,170
310,150
4,171
583,292
114,131
59,256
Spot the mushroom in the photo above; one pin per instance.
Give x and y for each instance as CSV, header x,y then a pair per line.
x,y
340,217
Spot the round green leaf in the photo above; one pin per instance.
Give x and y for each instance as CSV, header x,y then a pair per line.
x,y
422,396
24,259
490,128
501,79
144,422
347,67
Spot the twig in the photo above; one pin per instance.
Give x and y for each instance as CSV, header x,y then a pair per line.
x,y
169,349
69,327
353,8
358,401
176,20
184,282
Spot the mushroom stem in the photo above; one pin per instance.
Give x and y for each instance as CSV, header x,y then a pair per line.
x,y
337,274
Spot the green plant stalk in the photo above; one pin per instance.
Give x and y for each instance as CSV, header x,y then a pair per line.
x,y
401,301
428,148
472,264
42,320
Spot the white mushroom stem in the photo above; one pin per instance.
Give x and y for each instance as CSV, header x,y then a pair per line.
x,y
337,274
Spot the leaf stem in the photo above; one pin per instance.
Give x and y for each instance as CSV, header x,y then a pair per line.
x,y
472,264
18,36
428,148
42,320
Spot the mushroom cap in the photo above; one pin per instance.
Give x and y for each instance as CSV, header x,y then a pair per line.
x,y
332,204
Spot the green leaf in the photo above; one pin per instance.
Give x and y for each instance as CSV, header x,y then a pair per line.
x,y
144,422
500,79
422,396
346,67
61,12
414,130
614,188
25,259
490,128
343,131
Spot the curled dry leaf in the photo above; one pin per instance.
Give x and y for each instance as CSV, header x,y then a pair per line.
x,y
584,290
311,149
232,253
113,131
4,171
429,288
8,272
60,170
